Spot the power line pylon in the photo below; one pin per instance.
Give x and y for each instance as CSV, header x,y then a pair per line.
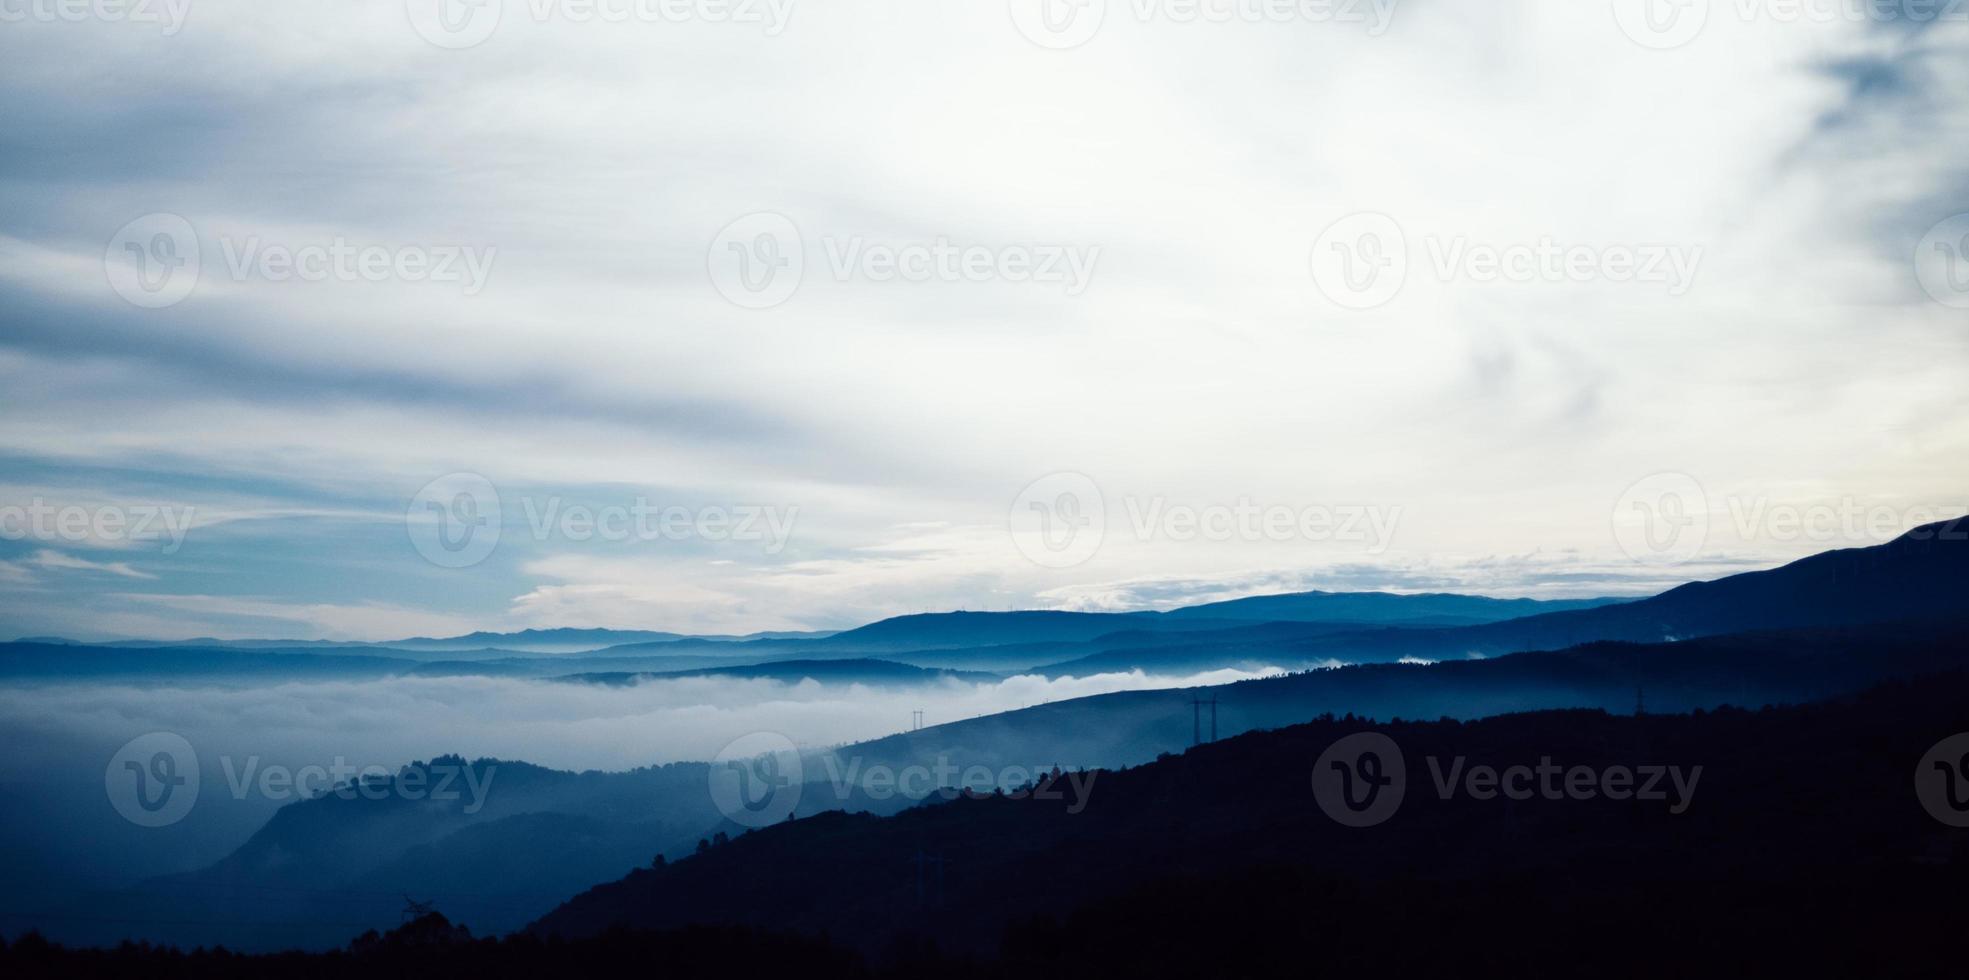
x,y
1196,719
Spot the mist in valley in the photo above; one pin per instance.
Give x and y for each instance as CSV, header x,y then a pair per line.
x,y
63,838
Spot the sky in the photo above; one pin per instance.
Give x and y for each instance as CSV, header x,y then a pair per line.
x,y
364,320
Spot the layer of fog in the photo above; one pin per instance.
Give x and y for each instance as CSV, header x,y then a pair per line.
x,y
61,837
562,725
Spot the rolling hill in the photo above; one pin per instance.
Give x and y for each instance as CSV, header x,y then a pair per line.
x,y
1229,840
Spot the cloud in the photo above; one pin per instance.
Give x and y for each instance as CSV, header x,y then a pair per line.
x,y
1203,365
48,558
359,621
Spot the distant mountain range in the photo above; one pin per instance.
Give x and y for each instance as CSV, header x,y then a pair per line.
x,y
1816,629
1437,608
1922,574
867,672
1919,574
1811,629
973,644
919,632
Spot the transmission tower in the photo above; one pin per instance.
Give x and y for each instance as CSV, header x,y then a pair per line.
x,y
1196,719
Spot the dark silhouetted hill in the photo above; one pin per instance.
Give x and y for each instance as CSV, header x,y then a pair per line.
x,y
1802,825
1802,850
1130,727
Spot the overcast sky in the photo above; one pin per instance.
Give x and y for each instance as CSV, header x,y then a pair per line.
x,y
1411,295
